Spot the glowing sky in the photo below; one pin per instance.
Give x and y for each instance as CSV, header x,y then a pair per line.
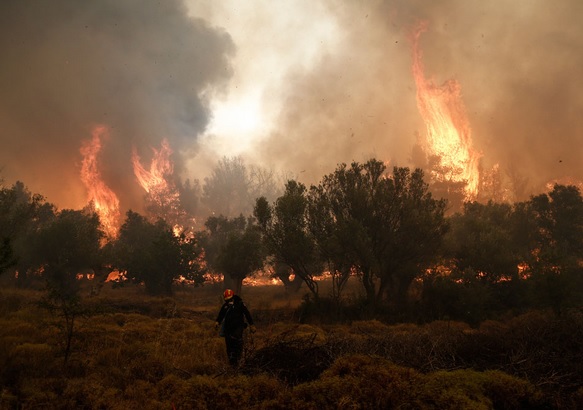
x,y
297,86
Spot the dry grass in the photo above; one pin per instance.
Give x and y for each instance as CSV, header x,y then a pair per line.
x,y
134,351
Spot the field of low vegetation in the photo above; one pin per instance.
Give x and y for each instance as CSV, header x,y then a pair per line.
x,y
132,351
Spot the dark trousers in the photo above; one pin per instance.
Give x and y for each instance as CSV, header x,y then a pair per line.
x,y
234,342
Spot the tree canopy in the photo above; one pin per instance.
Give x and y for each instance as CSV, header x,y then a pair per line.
x,y
387,227
286,233
150,253
232,247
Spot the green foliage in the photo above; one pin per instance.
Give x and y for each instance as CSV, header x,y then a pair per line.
x,y
557,269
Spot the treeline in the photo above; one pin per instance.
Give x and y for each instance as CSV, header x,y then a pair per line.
x,y
412,259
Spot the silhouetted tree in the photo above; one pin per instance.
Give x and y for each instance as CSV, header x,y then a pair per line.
x,y
62,248
286,235
151,253
232,247
6,255
21,215
558,253
327,234
481,239
388,228
226,190
190,193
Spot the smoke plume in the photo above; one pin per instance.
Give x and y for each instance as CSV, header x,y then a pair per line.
x,y
143,69
518,65
333,78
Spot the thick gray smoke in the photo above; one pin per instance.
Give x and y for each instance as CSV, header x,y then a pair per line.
x,y
148,70
142,68
518,64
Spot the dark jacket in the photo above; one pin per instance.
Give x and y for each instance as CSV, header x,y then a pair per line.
x,y
234,313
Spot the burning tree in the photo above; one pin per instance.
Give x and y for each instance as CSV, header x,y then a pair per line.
x,y
448,137
102,199
162,196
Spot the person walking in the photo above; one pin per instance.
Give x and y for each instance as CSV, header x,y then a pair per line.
x,y
232,319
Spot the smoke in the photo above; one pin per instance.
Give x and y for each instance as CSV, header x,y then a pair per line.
x,y
143,69
329,81
518,64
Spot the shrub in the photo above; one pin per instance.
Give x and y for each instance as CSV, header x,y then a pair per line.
x,y
291,357
509,392
360,381
469,389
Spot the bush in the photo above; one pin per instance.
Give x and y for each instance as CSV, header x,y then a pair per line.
x,y
293,357
359,382
468,389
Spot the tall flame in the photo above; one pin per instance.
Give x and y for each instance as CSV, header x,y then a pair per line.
x,y
104,200
163,199
160,168
449,134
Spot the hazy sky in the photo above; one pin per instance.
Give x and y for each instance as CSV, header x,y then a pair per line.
x,y
296,85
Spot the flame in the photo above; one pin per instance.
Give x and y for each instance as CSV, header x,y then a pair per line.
x,y
104,200
564,181
163,199
160,168
448,130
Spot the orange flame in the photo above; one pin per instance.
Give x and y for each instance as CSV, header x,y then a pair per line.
x,y
160,168
104,199
448,130
163,198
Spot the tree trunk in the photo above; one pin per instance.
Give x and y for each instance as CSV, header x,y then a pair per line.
x,y
237,284
282,272
368,283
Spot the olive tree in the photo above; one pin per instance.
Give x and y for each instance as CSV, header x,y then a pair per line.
x,y
232,247
151,254
21,215
286,234
558,248
388,228
63,247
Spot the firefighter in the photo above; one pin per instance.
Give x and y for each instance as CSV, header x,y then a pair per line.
x,y
232,319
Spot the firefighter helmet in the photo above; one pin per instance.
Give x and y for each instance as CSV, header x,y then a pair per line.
x,y
228,294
